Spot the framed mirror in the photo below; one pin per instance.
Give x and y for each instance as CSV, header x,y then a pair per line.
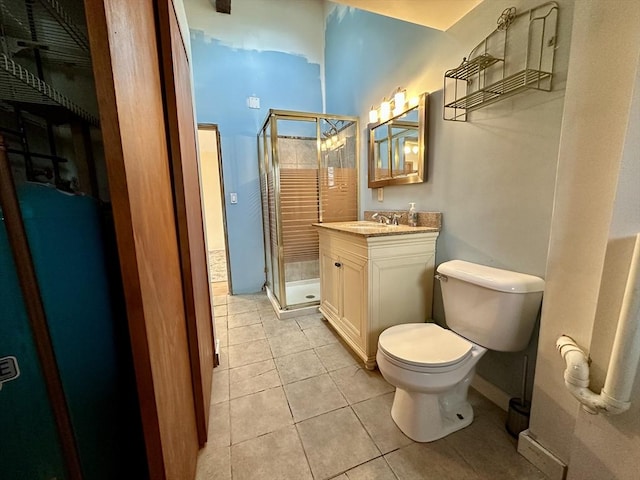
x,y
398,147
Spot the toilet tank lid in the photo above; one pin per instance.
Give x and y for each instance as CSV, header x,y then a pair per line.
x,y
492,278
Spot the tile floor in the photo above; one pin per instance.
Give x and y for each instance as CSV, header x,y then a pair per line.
x,y
290,401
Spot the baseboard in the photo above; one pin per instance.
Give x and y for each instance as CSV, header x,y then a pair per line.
x,y
491,392
542,458
286,314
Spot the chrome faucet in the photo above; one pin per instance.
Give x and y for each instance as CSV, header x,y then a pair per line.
x,y
381,218
395,218
392,220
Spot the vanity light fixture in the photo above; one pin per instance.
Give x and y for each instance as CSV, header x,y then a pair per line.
x,y
396,106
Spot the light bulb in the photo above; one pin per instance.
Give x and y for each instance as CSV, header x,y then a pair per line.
x,y
399,99
373,115
415,149
323,146
407,149
385,109
334,140
414,101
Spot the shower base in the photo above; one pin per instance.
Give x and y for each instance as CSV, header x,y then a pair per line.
x,y
303,297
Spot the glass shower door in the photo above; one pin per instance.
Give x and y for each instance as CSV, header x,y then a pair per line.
x,y
338,171
269,224
296,163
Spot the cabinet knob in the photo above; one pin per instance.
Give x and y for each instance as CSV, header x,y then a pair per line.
x,y
338,264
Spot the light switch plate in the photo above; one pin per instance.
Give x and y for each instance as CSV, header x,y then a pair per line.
x,y
233,197
380,194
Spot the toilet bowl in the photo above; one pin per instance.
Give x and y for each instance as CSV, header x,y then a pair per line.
x,y
432,367
431,383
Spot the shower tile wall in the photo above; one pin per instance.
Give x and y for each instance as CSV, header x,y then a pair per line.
x,y
297,153
295,271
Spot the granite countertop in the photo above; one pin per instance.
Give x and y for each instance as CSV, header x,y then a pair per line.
x,y
374,229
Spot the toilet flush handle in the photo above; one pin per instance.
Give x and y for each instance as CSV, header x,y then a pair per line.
x,y
441,277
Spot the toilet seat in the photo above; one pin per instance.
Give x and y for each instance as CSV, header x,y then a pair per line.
x,y
424,347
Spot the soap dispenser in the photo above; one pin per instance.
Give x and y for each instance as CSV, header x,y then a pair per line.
x,y
413,215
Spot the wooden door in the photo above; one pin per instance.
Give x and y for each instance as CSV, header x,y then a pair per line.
x,y
188,202
129,85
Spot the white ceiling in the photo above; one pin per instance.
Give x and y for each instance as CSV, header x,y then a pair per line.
x,y
438,14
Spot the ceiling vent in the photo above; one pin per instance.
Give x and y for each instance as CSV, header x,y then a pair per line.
x,y
222,6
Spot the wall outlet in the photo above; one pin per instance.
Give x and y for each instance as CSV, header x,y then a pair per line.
x,y
253,102
233,197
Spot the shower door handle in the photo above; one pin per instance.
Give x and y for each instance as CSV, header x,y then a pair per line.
x,y
338,264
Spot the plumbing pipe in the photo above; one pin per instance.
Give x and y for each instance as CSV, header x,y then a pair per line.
x,y
616,394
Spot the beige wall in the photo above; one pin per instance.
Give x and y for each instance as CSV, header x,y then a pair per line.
x,y
212,196
596,209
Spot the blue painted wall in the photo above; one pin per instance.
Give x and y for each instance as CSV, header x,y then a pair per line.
x,y
367,56
224,77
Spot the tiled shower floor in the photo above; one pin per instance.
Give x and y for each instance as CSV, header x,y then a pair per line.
x,y
290,401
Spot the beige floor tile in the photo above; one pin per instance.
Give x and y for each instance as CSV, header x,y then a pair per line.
x,y
375,415
289,343
243,319
253,378
219,300
358,384
219,311
335,442
223,358
377,469
263,303
222,334
311,321
274,327
259,413
219,426
277,455
429,461
214,463
236,307
247,353
313,396
246,334
335,356
220,386
298,366
491,451
322,335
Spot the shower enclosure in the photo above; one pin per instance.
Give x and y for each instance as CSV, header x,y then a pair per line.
x,y
308,174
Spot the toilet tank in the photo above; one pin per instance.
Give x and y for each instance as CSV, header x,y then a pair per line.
x,y
492,307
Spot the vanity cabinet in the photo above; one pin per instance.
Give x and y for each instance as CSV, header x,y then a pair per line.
x,y
371,281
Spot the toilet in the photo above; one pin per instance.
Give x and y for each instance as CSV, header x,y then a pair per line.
x,y
432,367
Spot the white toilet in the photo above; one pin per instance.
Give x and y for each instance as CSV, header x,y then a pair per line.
x,y
432,367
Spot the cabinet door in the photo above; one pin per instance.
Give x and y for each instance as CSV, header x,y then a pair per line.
x,y
354,298
329,283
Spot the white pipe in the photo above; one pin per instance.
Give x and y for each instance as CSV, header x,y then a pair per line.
x,y
615,396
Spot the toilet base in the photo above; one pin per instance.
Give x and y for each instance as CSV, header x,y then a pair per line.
x,y
425,417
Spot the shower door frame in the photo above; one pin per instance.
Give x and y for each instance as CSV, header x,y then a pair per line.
x,y
271,120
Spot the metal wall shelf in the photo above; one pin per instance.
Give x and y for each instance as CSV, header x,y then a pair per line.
x,y
517,56
19,85
40,37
